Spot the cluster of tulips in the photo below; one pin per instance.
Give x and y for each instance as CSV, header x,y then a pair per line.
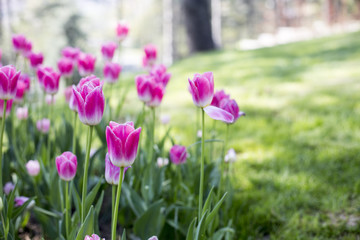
x,y
87,101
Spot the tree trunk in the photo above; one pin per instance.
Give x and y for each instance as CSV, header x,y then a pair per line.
x,y
198,25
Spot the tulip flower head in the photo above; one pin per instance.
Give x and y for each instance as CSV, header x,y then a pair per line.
x,y
8,82
20,91
70,98
153,238
111,72
93,237
218,97
22,113
33,167
90,100
157,93
19,201
48,79
201,88
65,66
112,172
43,125
150,55
160,75
36,59
149,91
122,141
66,165
108,50
9,186
70,53
26,80
86,64
122,30
161,162
8,107
231,107
21,44
178,154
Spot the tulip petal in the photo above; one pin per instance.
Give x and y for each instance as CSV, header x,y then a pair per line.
x,y
219,114
131,146
94,106
115,148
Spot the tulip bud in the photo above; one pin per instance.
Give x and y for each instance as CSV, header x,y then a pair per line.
x,y
122,30
20,91
201,88
178,154
8,82
86,64
112,172
153,238
21,45
8,107
48,79
218,97
43,125
160,75
36,59
150,54
66,165
26,80
231,107
65,66
33,167
9,186
111,72
19,201
70,53
90,100
93,237
122,141
108,50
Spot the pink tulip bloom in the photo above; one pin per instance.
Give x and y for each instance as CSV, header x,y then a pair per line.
x,y
144,85
111,72
8,82
67,93
36,59
65,66
157,93
49,80
33,167
70,53
231,107
122,141
66,165
22,113
19,201
93,237
9,186
122,30
153,238
26,80
178,154
43,125
218,97
21,44
150,55
20,91
8,107
108,50
90,100
86,64
160,75
201,88
112,172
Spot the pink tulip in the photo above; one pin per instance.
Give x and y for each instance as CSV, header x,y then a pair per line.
x,y
67,93
36,59
33,167
21,44
178,154
19,201
112,172
201,88
8,107
70,53
144,85
93,237
231,107
218,97
90,100
65,66
150,54
26,80
122,30
108,50
157,93
66,165
20,91
122,141
153,238
86,64
8,82
160,75
111,72
48,79
43,125
9,186
22,113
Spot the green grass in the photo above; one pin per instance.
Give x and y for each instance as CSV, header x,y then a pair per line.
x,y
298,168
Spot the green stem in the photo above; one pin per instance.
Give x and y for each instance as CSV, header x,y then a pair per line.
x,y
152,135
1,144
67,213
74,133
114,219
86,166
4,226
201,188
51,123
113,188
222,169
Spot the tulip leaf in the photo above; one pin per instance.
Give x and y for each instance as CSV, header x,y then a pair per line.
x,y
134,200
123,236
208,201
200,229
20,209
191,229
219,234
87,228
213,213
90,197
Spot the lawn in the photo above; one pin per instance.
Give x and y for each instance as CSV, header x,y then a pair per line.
x,y
298,167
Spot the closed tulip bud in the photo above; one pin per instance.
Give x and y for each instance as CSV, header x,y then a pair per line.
x,y
90,100
20,91
9,186
21,44
111,72
33,167
160,75
150,54
36,59
65,66
43,125
8,107
108,50
122,141
218,97
112,172
86,64
70,53
178,154
66,165
201,88
22,113
144,85
122,30
93,237
19,201
153,238
8,82
157,93
231,107
48,79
